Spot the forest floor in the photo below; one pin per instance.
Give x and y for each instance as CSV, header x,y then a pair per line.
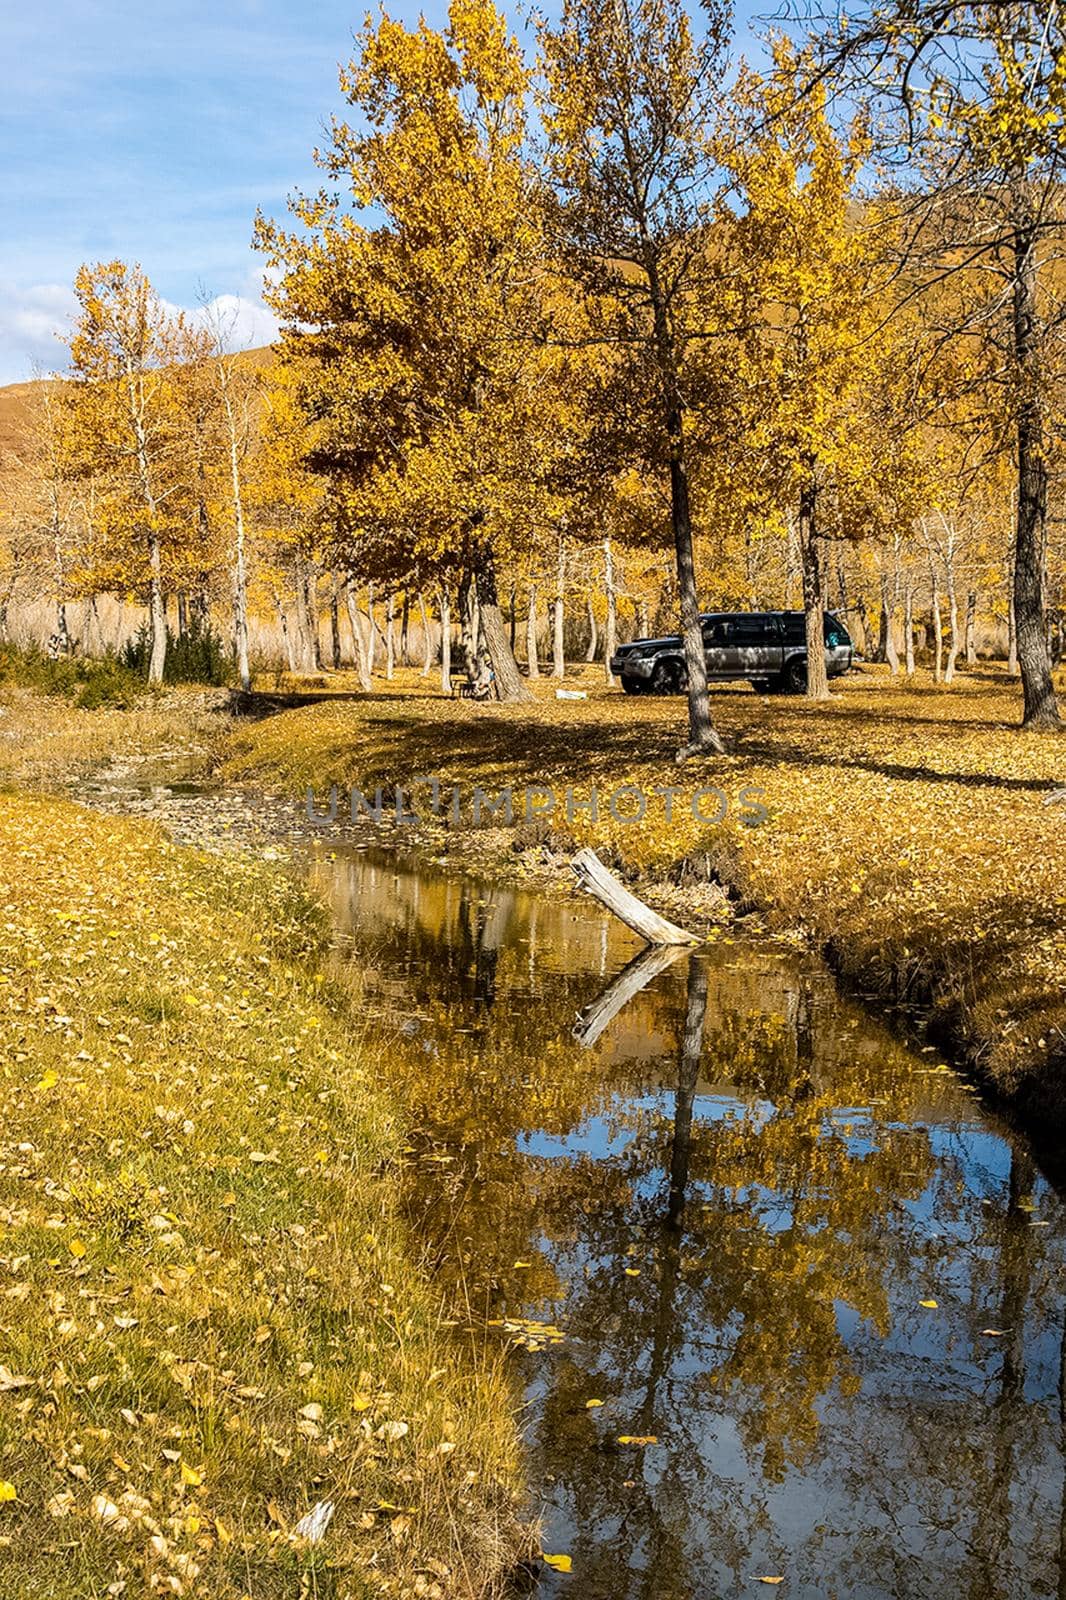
x,y
213,1315
903,827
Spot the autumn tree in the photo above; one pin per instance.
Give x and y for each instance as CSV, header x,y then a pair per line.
x,y
237,386
631,101
813,256
417,331
976,101
127,353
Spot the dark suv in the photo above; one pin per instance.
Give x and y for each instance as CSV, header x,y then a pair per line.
x,y
769,648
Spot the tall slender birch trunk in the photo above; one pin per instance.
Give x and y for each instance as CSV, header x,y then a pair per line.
x,y
610,638
359,643
532,663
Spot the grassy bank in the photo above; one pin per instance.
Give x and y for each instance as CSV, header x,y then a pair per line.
x,y
211,1319
905,830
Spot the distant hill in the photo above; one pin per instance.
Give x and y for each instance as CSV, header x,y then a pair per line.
x,y
16,400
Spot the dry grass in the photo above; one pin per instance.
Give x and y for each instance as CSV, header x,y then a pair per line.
x,y
210,1316
46,742
907,831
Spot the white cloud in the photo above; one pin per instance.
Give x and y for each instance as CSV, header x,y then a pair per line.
x,y
33,321
241,323
36,319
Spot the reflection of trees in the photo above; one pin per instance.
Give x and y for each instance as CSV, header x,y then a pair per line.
x,y
788,1188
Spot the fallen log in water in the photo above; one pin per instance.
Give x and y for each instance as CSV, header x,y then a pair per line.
x,y
603,886
630,981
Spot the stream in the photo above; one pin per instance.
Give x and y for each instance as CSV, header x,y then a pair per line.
x,y
786,1304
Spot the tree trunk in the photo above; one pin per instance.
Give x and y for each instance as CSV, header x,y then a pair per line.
x,y
286,636
157,617
305,641
371,634
938,631
335,621
92,634
405,626
642,619
603,886
813,606
971,628
532,663
468,624
703,739
240,572
513,616
427,637
594,635
359,645
445,640
908,628
610,639
390,647
884,628
558,642
953,624
1038,691
888,643
509,684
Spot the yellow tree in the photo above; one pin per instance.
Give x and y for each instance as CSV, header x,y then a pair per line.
x,y
631,106
127,352
979,96
812,255
417,335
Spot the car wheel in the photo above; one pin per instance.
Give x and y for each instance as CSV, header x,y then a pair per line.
x,y
761,685
632,686
662,678
796,676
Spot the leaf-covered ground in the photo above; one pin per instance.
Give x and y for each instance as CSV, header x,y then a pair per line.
x,y
907,829
210,1317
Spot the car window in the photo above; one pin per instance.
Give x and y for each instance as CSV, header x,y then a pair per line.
x,y
714,634
747,631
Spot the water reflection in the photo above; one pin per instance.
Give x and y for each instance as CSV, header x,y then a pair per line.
x,y
733,1193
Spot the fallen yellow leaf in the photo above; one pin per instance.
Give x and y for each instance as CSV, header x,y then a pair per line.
x,y
930,1305
559,1563
190,1476
7,1491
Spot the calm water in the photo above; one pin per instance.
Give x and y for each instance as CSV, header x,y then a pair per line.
x,y
718,1210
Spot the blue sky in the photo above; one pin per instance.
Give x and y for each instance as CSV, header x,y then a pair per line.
x,y
151,130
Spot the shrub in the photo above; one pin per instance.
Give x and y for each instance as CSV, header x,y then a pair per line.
x,y
198,655
106,682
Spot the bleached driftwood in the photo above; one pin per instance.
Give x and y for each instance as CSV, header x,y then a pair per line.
x,y
603,886
630,981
